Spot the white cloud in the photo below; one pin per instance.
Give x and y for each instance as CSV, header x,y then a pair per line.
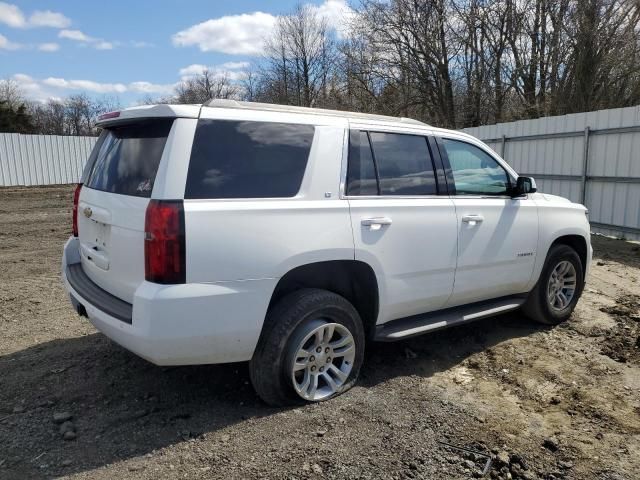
x,y
48,18
245,34
231,70
76,35
147,87
49,47
6,44
233,34
338,15
31,88
102,45
54,87
234,65
84,39
87,85
12,16
194,69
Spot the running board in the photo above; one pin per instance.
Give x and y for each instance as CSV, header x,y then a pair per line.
x,y
429,322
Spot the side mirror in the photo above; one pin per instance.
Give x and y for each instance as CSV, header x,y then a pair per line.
x,y
523,186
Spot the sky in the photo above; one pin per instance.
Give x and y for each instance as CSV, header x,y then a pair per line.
x,y
136,48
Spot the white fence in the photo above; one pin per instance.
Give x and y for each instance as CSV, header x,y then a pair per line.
x,y
42,159
591,158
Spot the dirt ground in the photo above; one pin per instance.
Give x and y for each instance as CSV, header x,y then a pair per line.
x,y
547,403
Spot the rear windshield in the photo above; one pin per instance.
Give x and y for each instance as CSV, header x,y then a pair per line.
x,y
125,158
242,159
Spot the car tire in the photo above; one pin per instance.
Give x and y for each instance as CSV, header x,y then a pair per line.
x,y
299,324
549,302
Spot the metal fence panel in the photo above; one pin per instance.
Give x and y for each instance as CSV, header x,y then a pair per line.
x,y
42,159
591,158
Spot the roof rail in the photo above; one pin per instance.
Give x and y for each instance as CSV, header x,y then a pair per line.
x,y
272,107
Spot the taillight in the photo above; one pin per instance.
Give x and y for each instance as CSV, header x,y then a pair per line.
x,y
76,197
164,246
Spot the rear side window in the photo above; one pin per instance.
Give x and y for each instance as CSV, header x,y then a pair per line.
x,y
243,159
125,159
389,164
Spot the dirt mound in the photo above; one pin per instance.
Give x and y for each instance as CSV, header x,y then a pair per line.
x,y
622,343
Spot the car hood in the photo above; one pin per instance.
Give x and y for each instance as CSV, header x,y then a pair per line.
x,y
555,199
552,198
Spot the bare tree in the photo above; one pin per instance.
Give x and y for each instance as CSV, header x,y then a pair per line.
x,y
415,40
603,68
11,94
206,86
299,59
50,117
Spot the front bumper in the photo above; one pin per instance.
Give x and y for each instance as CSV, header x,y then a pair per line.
x,y
183,324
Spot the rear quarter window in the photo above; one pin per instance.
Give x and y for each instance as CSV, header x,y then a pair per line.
x,y
245,159
125,158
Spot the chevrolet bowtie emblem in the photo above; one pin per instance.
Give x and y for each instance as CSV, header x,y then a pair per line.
x,y
87,212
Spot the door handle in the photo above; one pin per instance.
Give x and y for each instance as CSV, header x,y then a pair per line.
x,y
472,219
375,223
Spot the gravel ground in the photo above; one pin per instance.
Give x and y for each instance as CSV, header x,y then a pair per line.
x,y
546,403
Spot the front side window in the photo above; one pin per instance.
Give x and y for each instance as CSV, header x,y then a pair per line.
x,y
389,164
475,172
245,159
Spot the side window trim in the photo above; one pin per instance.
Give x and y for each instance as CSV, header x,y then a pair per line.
x,y
449,172
439,167
442,183
451,186
375,162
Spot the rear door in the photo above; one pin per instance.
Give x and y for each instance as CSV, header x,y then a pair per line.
x,y
117,185
497,234
401,226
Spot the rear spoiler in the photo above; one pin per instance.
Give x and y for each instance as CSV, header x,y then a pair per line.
x,y
148,111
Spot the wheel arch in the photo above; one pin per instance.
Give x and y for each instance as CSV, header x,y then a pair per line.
x,y
352,279
578,243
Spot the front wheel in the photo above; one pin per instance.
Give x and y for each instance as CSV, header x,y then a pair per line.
x,y
310,350
559,287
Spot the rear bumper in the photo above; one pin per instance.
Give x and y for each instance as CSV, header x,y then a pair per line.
x,y
97,297
176,324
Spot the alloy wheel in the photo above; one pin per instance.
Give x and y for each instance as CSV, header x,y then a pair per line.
x,y
322,360
561,286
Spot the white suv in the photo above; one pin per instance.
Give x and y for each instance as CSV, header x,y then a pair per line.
x,y
289,236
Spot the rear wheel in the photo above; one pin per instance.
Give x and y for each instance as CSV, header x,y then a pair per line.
x,y
310,350
559,287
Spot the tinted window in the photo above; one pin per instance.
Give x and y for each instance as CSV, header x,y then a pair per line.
x,y
475,172
404,164
125,159
361,174
239,159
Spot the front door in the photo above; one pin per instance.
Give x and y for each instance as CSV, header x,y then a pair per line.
x,y
497,234
402,228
